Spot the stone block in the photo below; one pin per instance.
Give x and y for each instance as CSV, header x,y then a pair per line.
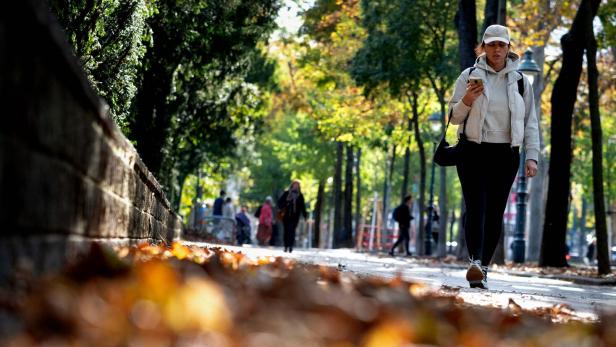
x,y
131,185
39,192
102,159
114,175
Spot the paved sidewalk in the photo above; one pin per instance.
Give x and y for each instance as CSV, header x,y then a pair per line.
x,y
535,271
527,291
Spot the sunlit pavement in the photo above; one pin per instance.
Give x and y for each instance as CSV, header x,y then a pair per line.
x,y
528,292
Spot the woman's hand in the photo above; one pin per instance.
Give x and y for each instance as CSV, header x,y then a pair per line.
x,y
472,92
531,168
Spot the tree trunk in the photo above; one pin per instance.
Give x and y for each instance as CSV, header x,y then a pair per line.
x,y
490,14
441,248
420,239
387,186
149,130
466,24
502,12
338,196
390,179
564,95
582,223
405,173
603,258
537,183
407,160
347,239
358,215
178,195
318,208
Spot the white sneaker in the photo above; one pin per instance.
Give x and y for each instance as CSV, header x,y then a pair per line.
x,y
476,276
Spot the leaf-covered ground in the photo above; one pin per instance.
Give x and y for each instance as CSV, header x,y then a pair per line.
x,y
181,296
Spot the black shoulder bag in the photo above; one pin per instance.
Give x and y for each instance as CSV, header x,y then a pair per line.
x,y
446,155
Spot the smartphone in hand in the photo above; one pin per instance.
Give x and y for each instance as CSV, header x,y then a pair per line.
x,y
474,81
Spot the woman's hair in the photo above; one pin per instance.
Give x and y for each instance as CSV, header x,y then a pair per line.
x,y
480,48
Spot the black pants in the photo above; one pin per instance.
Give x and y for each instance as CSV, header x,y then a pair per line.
x,y
289,232
486,174
403,237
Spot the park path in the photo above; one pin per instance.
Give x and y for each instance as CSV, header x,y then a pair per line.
x,y
528,291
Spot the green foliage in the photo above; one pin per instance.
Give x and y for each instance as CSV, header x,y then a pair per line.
x,y
107,38
392,54
607,37
184,79
407,41
210,120
196,91
320,21
290,149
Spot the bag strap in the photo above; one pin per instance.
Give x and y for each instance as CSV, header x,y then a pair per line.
x,y
521,84
451,111
449,120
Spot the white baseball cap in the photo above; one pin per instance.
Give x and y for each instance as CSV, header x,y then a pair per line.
x,y
496,33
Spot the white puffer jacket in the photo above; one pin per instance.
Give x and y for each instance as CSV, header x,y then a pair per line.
x,y
524,125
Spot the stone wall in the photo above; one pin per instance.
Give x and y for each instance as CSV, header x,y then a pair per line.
x,y
68,176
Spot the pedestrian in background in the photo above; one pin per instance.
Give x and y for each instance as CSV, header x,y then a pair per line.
x,y
494,107
291,206
590,252
227,225
435,226
264,231
243,226
402,215
218,204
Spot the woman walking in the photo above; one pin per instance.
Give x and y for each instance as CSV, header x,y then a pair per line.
x,y
494,107
290,206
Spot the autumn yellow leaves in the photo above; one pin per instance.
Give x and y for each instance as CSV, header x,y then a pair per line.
x,y
189,296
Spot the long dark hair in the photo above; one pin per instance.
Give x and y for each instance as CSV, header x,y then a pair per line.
x,y
299,186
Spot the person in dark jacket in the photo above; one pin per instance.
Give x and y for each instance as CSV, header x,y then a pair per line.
x,y
243,226
218,204
402,215
590,251
291,205
436,224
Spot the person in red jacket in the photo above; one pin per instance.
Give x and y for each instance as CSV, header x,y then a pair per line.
x,y
264,232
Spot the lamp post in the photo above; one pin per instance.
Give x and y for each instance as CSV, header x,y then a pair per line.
x,y
529,68
435,124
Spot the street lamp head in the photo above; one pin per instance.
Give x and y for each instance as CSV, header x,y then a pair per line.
x,y
528,66
435,122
